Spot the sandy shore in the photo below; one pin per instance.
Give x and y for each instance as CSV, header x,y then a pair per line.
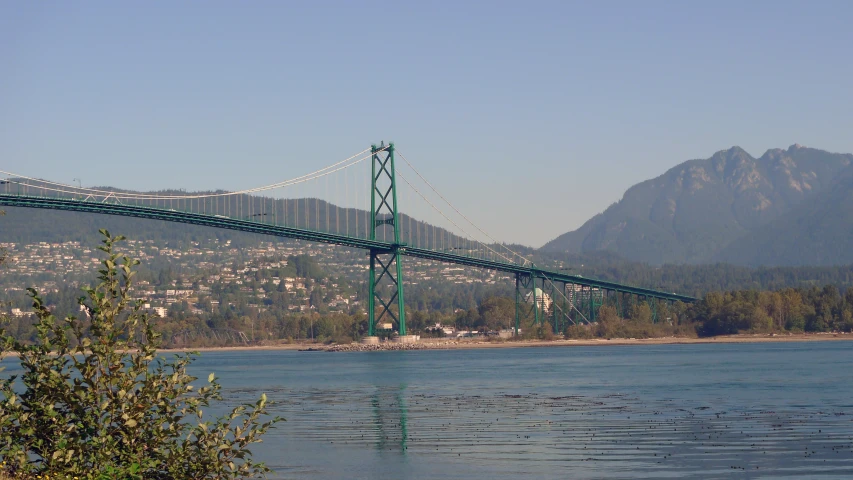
x,y
447,344
444,343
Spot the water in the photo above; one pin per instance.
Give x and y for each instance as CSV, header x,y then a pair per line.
x,y
681,411
778,410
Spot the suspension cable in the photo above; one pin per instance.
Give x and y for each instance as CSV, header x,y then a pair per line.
x,y
145,196
569,301
456,209
448,219
149,197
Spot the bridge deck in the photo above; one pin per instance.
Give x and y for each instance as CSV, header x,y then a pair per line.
x,y
219,221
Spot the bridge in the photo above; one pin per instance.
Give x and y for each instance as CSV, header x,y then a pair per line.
x,y
294,209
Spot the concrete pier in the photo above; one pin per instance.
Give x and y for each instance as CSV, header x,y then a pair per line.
x,y
370,340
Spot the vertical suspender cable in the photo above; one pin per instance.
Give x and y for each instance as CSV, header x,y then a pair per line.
x,y
409,206
337,206
346,200
357,206
317,206
326,198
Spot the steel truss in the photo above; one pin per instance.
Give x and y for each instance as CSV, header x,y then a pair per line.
x,y
383,183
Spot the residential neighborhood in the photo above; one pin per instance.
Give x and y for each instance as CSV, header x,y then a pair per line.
x,y
195,274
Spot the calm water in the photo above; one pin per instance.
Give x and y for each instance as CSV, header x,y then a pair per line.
x,y
692,411
675,411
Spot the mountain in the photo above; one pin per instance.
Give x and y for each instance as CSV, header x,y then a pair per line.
x,y
730,207
819,231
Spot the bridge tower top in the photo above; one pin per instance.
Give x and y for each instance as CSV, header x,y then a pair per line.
x,y
383,185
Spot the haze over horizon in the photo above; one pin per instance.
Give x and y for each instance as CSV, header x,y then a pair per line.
x,y
531,118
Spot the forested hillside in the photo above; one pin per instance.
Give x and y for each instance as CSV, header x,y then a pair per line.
x,y
697,280
787,207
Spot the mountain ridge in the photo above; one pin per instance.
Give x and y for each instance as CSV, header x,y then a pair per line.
x,y
695,210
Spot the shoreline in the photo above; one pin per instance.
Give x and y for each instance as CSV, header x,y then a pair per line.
x,y
454,344
457,344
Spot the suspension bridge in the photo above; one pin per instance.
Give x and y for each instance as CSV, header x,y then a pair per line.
x,y
337,205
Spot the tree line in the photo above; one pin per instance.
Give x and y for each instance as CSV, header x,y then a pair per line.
x,y
696,280
795,310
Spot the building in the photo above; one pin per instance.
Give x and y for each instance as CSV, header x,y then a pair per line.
x,y
543,300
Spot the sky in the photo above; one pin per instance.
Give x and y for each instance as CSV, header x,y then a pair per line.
x,y
530,117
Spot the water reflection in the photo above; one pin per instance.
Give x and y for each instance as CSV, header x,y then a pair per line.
x,y
624,436
696,413
390,419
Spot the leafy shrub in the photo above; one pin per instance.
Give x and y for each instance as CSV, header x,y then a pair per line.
x,y
580,331
95,402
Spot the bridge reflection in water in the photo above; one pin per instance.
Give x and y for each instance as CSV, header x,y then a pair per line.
x,y
390,418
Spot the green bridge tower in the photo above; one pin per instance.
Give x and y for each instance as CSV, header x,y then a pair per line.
x,y
384,213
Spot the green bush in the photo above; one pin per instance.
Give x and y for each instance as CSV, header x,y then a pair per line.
x,y
580,331
95,402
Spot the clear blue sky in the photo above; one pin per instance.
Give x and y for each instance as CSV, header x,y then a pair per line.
x,y
531,116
